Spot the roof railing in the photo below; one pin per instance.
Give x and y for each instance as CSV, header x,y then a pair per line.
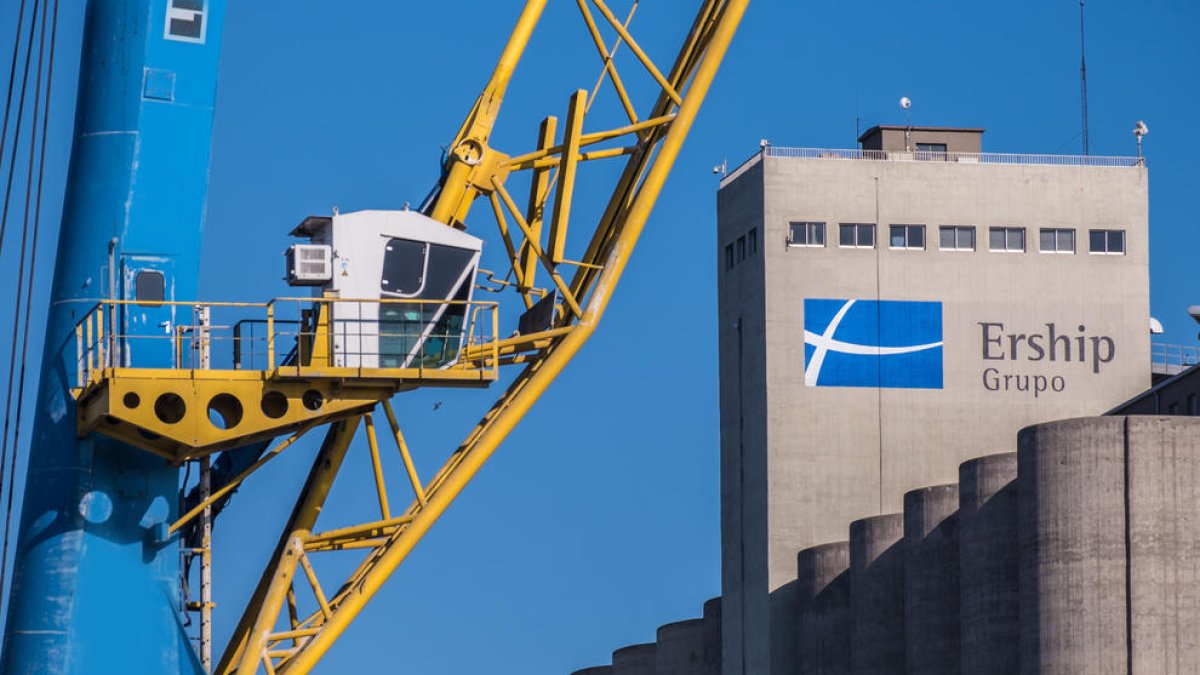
x,y
929,156
1172,359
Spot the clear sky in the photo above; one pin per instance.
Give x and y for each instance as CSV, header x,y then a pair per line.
x,y
598,520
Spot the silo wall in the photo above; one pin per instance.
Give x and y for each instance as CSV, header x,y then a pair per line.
x,y
877,595
823,590
1109,546
931,627
989,597
680,649
1164,540
712,637
635,660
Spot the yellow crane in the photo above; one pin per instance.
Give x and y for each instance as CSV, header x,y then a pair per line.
x,y
339,377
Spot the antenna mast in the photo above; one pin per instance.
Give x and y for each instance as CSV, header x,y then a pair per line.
x,y
1083,80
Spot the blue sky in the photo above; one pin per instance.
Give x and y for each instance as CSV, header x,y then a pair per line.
x,y
598,520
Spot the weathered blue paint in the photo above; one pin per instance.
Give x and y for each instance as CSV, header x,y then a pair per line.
x,y
92,592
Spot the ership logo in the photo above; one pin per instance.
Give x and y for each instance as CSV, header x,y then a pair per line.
x,y
890,344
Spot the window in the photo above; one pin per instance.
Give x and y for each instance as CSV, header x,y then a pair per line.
x,y
1010,239
856,235
935,152
1057,240
741,248
185,21
1173,409
423,334
149,286
806,234
1192,409
403,267
908,236
752,240
729,256
957,238
1107,242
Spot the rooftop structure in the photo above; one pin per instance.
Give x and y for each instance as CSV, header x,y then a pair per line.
x,y
921,139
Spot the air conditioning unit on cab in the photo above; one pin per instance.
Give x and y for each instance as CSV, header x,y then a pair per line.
x,y
309,265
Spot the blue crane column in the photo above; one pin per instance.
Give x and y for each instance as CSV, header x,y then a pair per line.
x,y
93,591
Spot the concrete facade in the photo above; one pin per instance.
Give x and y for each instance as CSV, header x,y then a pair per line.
x,y
800,459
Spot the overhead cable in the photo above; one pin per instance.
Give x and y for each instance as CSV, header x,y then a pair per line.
x,y
16,136
12,75
38,145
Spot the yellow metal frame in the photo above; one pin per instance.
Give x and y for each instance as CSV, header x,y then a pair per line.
x,y
123,402
475,170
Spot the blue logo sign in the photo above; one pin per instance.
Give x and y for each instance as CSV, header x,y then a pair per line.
x,y
891,344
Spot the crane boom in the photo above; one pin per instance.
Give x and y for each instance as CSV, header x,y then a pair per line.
x,y
473,170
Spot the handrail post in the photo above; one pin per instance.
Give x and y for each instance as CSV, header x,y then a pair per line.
x,y
329,334
114,351
100,336
79,383
312,326
88,325
270,335
237,345
495,337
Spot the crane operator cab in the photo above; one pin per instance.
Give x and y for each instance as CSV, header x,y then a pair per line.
x,y
392,289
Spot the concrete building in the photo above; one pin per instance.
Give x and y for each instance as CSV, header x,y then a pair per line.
x,y
890,312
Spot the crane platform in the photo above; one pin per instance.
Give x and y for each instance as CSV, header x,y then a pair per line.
x,y
248,372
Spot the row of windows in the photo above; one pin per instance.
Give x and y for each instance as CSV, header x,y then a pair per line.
x,y
745,246
957,238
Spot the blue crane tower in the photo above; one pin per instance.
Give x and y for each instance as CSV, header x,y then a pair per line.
x,y
95,582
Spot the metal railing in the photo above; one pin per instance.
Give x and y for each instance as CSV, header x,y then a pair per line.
x,y
287,335
927,156
1171,359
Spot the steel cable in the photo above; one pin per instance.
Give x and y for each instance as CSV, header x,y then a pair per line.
x,y
12,162
12,78
39,160
7,198
21,115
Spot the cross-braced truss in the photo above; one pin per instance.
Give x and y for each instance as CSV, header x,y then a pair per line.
x,y
276,633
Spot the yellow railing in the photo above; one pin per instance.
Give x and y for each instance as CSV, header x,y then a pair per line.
x,y
289,336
